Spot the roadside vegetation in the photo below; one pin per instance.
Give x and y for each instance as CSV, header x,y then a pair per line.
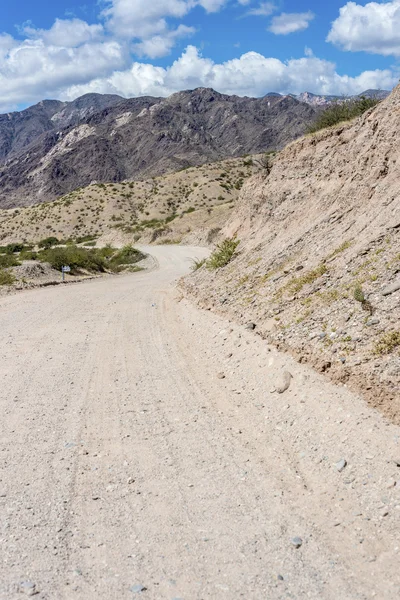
x,y
341,111
197,263
6,277
78,258
223,254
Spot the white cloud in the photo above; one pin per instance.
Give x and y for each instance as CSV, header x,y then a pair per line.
x,y
264,9
73,57
252,74
147,22
290,22
31,70
212,5
143,19
373,28
160,45
66,32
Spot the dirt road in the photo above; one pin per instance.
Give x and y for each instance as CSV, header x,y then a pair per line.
x,y
145,454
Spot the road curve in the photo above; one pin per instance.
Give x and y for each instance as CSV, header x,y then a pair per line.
x,y
144,455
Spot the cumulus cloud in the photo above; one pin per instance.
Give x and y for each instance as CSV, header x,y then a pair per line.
x,y
160,45
143,18
252,74
66,33
31,70
290,22
73,57
373,28
148,22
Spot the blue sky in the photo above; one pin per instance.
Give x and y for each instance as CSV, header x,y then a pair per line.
x,y
250,47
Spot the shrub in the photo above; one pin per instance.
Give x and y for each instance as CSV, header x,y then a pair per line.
x,y
48,242
359,294
223,253
8,260
76,258
387,343
13,248
6,277
28,255
128,255
296,284
107,252
342,110
197,263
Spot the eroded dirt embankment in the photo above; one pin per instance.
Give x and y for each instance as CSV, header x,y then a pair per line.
x,y
324,223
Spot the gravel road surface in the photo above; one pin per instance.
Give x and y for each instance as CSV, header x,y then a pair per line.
x,y
145,452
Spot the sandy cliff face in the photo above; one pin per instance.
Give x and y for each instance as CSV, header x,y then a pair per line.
x,y
323,223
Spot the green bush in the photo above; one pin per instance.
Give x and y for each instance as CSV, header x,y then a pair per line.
x,y
128,255
74,257
8,260
28,255
13,248
107,252
223,253
48,242
6,277
341,111
359,294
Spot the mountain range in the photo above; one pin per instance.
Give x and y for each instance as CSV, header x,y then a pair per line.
x,y
54,147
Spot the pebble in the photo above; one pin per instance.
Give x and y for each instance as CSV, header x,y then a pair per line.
x,y
373,322
389,289
341,465
297,542
283,382
391,484
250,326
138,588
221,375
130,481
28,588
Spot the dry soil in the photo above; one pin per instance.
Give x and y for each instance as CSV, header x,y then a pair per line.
x,y
146,453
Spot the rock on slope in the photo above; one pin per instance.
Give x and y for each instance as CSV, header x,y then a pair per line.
x,y
144,137
324,223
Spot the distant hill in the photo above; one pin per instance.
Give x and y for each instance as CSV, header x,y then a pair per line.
x,y
322,101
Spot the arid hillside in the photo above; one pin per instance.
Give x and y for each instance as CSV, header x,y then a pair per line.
x,y
192,203
318,267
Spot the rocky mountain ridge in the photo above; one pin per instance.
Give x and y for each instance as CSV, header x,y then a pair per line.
x,y
55,148
324,101
19,129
